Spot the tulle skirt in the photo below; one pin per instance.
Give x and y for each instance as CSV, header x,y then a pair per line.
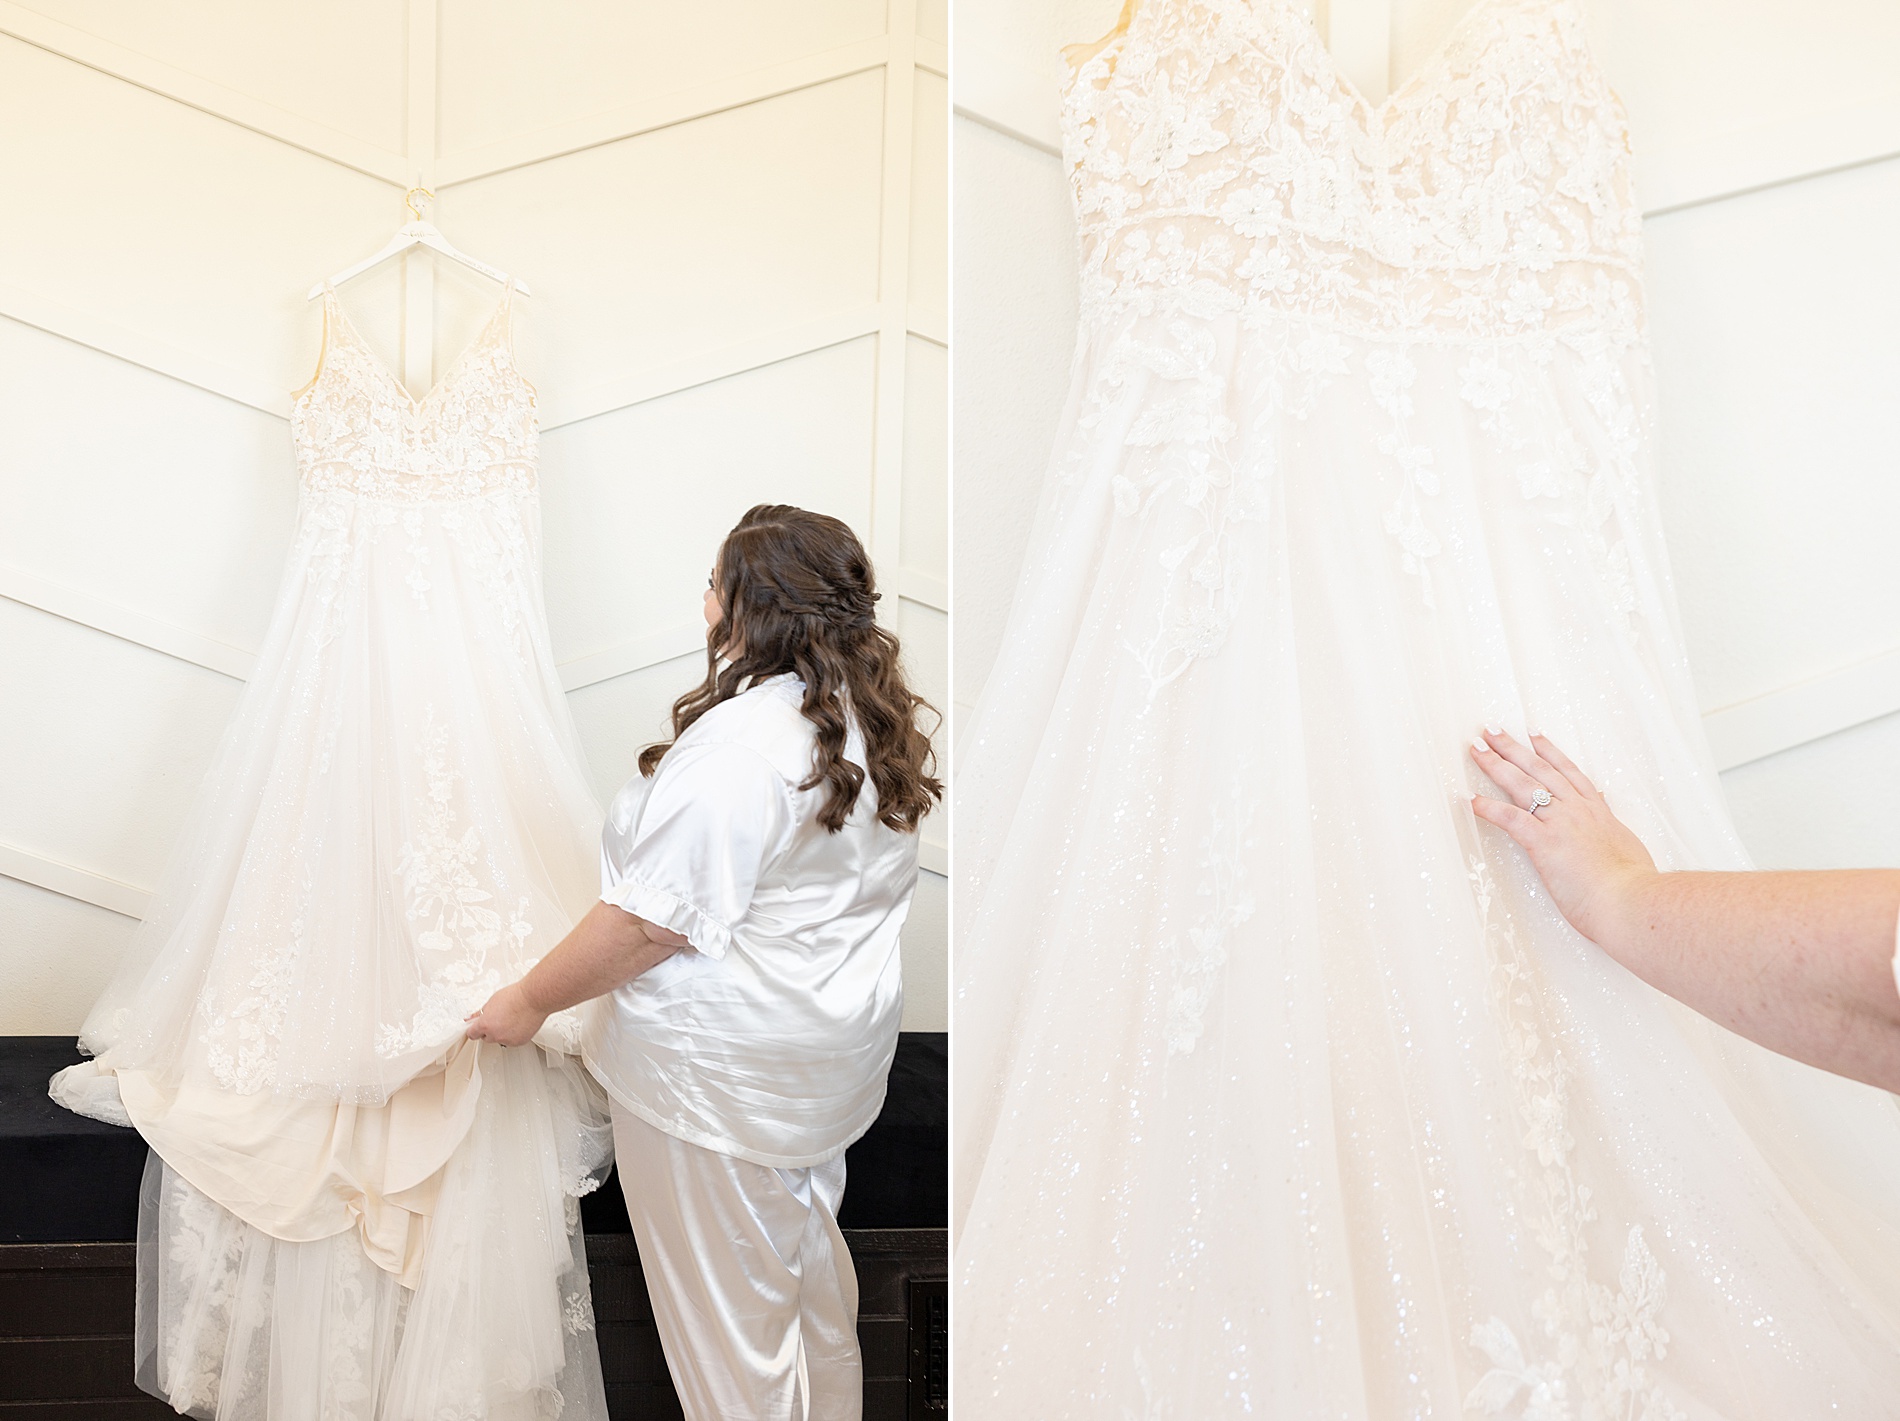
x,y
238,1325
353,1211
1281,1088
397,822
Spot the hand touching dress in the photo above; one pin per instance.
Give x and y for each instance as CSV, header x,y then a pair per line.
x,y
1801,963
607,948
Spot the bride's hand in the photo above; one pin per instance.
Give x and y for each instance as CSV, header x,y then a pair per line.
x,y
1595,868
506,1018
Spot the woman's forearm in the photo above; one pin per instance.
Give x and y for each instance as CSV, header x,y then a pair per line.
x,y
608,947
1800,962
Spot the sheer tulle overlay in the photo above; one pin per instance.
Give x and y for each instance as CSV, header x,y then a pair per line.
x,y
353,1211
1282,1089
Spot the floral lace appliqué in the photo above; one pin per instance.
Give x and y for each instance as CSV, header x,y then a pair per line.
x,y
443,893
1390,374
199,1244
577,1314
1600,1340
1196,962
358,432
241,1037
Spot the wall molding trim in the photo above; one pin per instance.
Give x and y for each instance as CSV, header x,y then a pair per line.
x,y
898,52
1768,155
998,90
689,638
147,352
208,97
451,169
662,111
923,589
128,901
70,881
115,619
893,287
635,654
933,857
1809,710
623,392
639,386
933,326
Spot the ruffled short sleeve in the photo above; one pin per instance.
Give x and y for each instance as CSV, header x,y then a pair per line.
x,y
690,853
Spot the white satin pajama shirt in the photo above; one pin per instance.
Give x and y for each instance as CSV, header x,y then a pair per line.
x,y
771,1039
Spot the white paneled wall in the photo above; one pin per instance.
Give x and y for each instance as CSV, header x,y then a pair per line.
x,y
733,218
1767,141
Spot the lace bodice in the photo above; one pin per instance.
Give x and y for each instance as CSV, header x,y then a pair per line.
x,y
358,430
1222,163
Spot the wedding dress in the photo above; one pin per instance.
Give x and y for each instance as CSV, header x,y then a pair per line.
x,y
1282,1088
352,1211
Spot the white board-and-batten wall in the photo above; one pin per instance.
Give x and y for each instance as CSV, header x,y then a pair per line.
x,y
1767,160
733,217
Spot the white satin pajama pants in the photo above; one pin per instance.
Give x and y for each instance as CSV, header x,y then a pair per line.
x,y
752,1287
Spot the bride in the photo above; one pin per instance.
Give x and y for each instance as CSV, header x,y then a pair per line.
x,y
1282,1088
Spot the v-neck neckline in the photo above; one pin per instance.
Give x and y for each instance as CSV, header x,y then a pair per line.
x,y
1427,72
336,304
1269,27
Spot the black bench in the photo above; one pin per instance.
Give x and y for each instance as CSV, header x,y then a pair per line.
x,y
69,1212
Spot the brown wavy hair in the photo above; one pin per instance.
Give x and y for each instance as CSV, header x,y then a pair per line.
x,y
797,594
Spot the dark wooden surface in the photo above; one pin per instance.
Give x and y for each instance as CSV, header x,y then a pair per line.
x,y
66,1329
67,1179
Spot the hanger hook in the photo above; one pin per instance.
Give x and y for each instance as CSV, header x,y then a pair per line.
x,y
416,212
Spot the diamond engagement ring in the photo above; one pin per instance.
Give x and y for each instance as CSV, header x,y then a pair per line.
x,y
1539,798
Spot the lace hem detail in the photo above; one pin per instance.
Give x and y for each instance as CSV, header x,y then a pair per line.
x,y
1600,1341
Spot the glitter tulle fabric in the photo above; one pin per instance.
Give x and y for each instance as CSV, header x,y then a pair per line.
x,y
1282,1089
353,1212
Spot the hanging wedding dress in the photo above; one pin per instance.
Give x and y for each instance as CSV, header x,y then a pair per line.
x,y
353,1212
1282,1089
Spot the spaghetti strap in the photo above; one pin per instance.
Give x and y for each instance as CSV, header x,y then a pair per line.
x,y
330,311
506,315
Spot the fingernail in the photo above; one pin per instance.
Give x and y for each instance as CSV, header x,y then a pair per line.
x,y
1493,728
1481,747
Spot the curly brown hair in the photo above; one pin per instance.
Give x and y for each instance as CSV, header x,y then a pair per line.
x,y
797,594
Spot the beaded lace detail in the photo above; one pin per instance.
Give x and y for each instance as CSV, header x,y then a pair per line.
x,y
1224,169
358,431
1221,163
